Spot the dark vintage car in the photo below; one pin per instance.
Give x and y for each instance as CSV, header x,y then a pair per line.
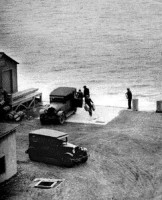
x,y
51,146
63,103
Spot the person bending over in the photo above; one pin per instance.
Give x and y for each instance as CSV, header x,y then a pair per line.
x,y
89,102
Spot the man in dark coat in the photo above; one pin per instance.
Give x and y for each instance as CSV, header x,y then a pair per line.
x,y
129,97
79,96
89,102
86,91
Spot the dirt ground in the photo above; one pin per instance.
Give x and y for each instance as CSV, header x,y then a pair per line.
x,y
125,161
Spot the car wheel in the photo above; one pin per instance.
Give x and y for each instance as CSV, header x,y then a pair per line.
x,y
32,156
84,159
67,160
62,119
75,109
42,121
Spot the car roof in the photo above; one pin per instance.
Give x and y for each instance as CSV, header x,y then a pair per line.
x,y
63,91
49,133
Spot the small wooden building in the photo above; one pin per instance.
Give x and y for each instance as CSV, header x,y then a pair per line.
x,y
9,82
8,73
8,160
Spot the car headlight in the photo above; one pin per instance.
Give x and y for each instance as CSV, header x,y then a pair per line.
x,y
83,149
42,111
73,150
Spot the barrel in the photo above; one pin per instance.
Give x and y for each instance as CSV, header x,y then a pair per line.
x,y
135,104
159,106
11,115
18,116
6,108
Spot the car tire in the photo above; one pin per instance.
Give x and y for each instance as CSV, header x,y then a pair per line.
x,y
62,119
42,121
67,161
75,109
84,160
32,156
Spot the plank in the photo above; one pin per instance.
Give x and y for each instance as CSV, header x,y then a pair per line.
x,y
23,93
25,99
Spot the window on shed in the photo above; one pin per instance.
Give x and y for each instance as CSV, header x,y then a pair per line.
x,y
2,165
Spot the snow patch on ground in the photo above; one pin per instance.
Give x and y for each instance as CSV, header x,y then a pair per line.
x,y
102,115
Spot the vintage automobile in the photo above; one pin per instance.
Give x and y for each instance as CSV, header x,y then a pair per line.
x,y
63,103
51,146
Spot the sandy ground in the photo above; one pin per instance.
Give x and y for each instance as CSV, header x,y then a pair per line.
x,y
125,161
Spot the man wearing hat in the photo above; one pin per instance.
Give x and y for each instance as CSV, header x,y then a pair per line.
x,y
129,97
86,91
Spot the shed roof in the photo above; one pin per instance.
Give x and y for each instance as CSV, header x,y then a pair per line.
x,y
63,91
49,133
6,129
3,55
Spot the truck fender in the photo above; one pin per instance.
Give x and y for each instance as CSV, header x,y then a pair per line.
x,y
42,111
69,154
60,113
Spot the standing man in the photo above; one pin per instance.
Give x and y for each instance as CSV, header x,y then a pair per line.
x,y
79,96
129,97
86,91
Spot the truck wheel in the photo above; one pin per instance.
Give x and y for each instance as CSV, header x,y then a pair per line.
x,y
32,156
75,109
62,119
84,159
67,161
42,121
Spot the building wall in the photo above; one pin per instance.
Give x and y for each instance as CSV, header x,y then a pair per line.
x,y
8,149
5,66
2,63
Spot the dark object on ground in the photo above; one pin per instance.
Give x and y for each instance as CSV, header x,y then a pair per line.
x,y
63,103
51,146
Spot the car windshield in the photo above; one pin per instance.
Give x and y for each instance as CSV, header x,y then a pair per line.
x,y
64,139
57,99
